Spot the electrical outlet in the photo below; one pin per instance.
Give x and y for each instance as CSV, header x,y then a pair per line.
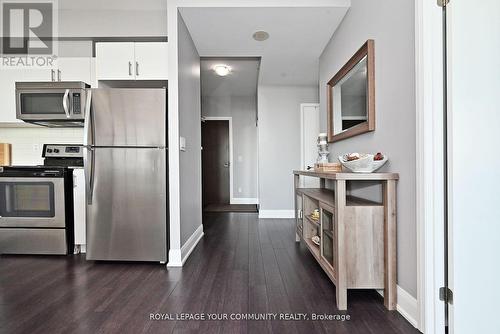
x,y
240,190
36,147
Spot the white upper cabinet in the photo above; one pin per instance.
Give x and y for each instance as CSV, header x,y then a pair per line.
x,y
74,69
151,61
131,61
115,61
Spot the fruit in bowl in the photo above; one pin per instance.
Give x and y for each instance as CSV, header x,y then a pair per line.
x,y
362,162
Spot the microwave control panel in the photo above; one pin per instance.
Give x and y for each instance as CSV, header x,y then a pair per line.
x,y
77,104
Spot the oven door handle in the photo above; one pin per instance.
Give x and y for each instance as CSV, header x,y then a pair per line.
x,y
66,102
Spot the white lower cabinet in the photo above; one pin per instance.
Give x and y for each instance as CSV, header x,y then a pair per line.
x,y
79,207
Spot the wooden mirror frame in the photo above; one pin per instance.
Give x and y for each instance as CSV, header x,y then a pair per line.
x,y
368,49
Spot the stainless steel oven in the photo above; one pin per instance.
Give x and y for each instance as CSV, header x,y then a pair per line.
x,y
53,104
36,215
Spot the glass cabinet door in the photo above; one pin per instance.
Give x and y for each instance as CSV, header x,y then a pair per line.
x,y
327,235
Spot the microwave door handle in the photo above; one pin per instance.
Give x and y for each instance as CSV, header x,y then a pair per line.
x,y
66,102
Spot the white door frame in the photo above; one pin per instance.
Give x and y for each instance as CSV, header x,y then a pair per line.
x,y
230,119
302,106
429,178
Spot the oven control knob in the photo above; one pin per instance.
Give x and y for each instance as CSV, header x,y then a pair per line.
x,y
49,150
56,150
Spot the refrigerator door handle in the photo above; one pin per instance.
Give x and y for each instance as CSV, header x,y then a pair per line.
x,y
89,156
89,162
65,103
88,138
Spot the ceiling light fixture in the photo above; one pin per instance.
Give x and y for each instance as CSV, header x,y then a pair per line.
x,y
222,70
260,35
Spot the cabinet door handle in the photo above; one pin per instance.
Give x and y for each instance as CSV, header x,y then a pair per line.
x,y
137,68
52,74
129,68
58,75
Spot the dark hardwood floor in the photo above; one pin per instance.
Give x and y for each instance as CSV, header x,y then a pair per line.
x,y
242,265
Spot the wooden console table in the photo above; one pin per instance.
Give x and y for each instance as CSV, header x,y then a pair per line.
x,y
357,247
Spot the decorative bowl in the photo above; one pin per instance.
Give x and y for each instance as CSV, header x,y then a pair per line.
x,y
365,164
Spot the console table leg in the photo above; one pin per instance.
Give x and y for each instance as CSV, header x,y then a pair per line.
x,y
390,244
341,265
295,186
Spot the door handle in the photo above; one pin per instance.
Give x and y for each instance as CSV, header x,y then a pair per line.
x,y
130,68
89,163
65,103
88,141
58,75
52,75
88,138
137,68
227,164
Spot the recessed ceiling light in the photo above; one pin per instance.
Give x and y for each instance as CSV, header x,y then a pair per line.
x,y
222,70
260,35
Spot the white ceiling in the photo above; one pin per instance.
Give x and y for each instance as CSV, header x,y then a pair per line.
x,y
290,56
241,81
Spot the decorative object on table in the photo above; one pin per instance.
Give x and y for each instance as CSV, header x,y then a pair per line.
x,y
315,215
362,162
322,148
315,239
328,167
5,154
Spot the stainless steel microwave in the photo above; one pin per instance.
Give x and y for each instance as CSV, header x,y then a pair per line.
x,y
52,104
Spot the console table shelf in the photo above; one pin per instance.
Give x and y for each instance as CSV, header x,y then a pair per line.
x,y
357,236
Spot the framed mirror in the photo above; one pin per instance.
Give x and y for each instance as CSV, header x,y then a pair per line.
x,y
351,96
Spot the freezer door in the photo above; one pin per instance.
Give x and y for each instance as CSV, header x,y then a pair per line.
x,y
126,204
128,117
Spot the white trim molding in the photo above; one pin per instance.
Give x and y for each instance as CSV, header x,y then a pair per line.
x,y
230,119
174,258
407,305
191,243
246,200
278,214
429,169
177,257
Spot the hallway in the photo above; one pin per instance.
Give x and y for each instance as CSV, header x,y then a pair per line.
x,y
242,265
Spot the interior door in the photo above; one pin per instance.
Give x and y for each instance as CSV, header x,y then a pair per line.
x,y
473,51
151,61
126,217
215,162
309,135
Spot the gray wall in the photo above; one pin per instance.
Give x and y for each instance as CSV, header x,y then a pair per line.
x,y
112,23
391,24
279,142
190,128
242,109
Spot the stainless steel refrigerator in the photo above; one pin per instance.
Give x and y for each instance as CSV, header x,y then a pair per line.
x,y
126,174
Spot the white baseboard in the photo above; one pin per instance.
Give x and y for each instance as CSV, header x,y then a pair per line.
x,y
407,305
191,243
276,213
244,200
177,257
174,258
